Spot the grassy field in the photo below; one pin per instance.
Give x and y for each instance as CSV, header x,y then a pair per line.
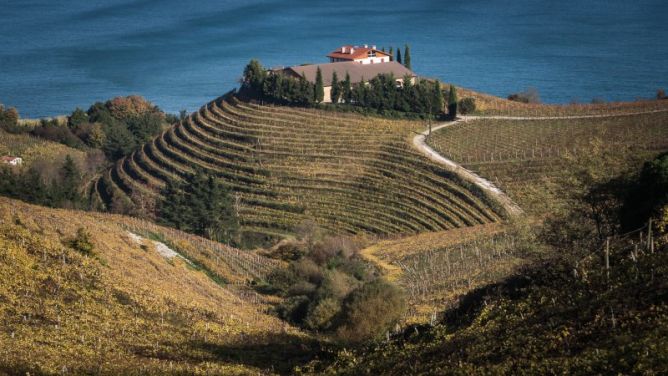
x,y
527,158
34,150
351,174
126,308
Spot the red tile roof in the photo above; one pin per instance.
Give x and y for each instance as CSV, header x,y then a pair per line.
x,y
357,53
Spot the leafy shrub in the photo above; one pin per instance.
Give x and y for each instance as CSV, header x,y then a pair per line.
x,y
9,120
467,106
370,311
529,96
322,314
82,242
329,288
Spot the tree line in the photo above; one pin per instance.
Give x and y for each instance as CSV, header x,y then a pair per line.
x,y
29,185
381,94
117,126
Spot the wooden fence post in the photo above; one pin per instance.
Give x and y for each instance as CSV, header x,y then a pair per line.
x,y
607,258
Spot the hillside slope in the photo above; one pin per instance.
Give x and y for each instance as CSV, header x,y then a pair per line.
x,y
131,305
351,174
552,318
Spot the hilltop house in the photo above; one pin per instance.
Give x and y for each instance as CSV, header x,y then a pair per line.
x,y
359,54
12,161
360,63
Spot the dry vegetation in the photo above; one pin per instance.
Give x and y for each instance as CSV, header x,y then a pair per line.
x,y
124,308
437,268
491,105
349,173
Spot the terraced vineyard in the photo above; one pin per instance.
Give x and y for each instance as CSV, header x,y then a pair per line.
x,y
525,158
350,174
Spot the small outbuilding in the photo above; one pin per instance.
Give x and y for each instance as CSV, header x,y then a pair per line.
x,y
12,161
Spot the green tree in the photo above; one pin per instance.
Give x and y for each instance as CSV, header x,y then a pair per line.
x,y
319,91
336,88
347,90
200,205
399,55
391,53
407,57
254,76
452,102
437,99
70,181
77,118
120,141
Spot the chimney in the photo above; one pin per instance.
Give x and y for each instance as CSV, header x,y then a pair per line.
x,y
366,46
343,49
352,50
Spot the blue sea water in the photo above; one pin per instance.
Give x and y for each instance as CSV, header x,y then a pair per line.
x,y
57,55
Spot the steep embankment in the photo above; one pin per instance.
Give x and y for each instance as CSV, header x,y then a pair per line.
x,y
131,305
349,173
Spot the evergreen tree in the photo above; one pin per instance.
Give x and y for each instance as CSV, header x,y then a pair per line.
x,y
254,75
77,118
319,92
347,90
407,57
71,179
452,102
360,94
391,53
399,55
336,88
200,205
437,100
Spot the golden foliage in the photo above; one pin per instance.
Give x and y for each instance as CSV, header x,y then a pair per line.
x,y
125,309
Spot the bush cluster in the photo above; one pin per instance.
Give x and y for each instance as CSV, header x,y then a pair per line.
x,y
529,96
328,288
117,126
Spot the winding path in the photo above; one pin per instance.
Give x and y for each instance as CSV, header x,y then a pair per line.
x,y
420,142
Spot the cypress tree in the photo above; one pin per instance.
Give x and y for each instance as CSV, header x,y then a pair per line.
x,y
407,57
437,100
391,53
319,87
399,55
336,88
452,102
347,90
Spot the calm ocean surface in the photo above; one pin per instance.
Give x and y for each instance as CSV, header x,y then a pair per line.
x,y
57,55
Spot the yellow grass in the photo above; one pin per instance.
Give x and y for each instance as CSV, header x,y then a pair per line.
x,y
125,308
